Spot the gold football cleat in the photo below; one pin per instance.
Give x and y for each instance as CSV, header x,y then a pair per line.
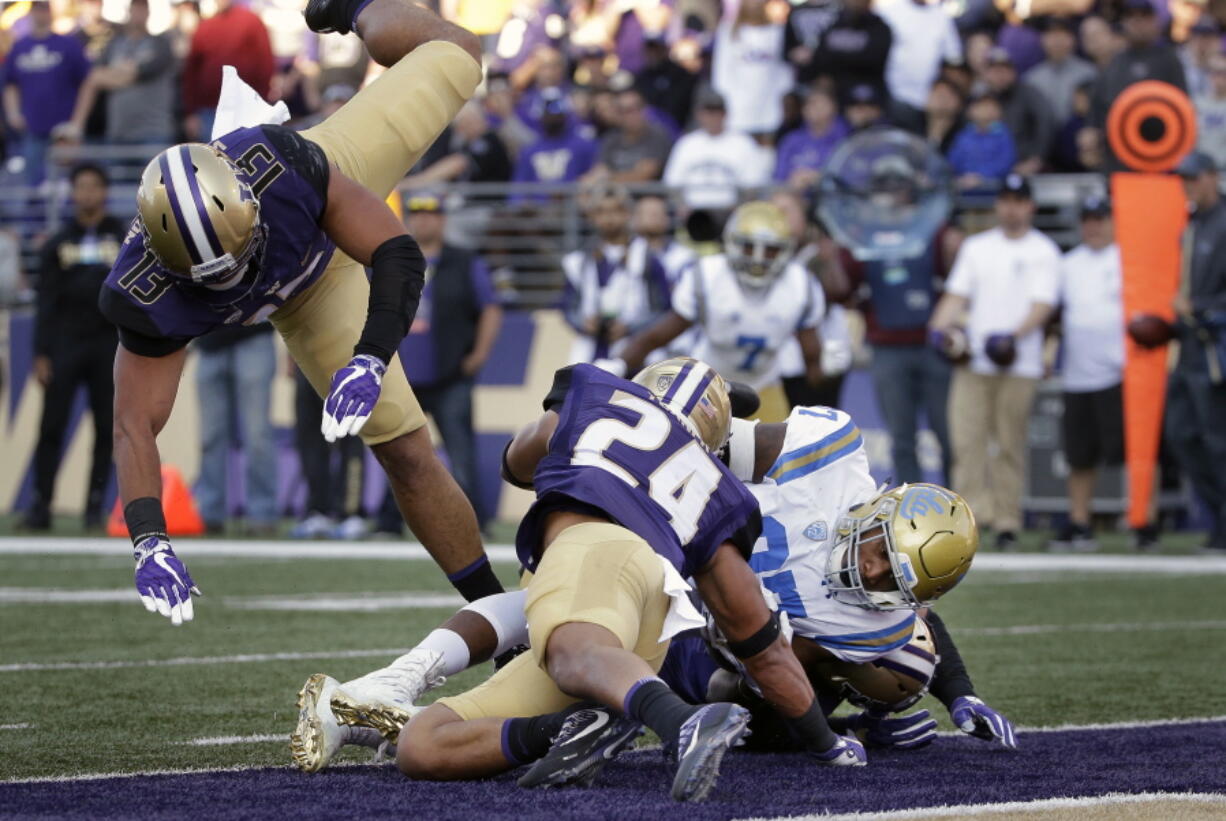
x,y
384,718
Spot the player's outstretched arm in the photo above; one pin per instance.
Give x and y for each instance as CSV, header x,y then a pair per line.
x,y
364,227
527,449
951,685
732,594
145,389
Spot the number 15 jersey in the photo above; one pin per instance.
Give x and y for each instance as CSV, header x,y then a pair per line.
x,y
617,453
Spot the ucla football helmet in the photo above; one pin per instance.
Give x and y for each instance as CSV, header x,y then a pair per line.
x,y
201,221
886,685
694,393
930,538
758,243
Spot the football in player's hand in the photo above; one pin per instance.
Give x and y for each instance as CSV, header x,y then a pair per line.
x,y
1150,330
952,344
743,399
1001,349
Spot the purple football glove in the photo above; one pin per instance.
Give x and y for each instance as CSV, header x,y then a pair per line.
x,y
846,752
163,582
1001,349
978,719
352,398
900,732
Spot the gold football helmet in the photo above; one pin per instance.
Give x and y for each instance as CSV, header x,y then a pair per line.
x,y
198,218
694,393
758,243
930,539
889,684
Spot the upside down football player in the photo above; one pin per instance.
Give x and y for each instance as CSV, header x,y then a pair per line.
x,y
267,223
822,459
631,500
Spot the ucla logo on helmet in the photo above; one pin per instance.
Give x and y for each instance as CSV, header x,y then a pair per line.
x,y
919,501
817,531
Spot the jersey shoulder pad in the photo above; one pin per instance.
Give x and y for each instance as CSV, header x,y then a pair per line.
x,y
816,437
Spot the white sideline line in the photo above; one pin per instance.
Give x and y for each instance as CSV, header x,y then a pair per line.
x,y
1120,627
60,779
361,602
23,725
1012,562
947,810
222,740
55,595
1119,725
244,658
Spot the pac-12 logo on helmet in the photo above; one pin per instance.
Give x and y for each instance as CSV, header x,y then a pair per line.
x,y
199,219
695,394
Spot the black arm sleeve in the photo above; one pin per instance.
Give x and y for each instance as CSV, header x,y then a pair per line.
x,y
306,158
136,333
951,679
561,384
398,273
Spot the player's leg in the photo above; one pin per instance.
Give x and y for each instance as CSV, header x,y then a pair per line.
x,y
377,136
57,407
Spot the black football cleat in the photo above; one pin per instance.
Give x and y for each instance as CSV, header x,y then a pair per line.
x,y
590,737
324,16
705,737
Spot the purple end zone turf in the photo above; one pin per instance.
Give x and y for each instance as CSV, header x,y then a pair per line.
x,y
1178,758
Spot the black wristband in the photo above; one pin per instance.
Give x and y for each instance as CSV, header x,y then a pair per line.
x,y
397,276
812,730
144,518
759,641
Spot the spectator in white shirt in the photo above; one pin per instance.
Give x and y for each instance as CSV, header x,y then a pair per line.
x,y
1092,321
1006,280
924,37
1211,113
711,162
749,69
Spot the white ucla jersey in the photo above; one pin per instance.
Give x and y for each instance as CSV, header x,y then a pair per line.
x,y
821,473
744,329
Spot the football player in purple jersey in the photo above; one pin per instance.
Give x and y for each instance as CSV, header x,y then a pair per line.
x,y
266,223
630,500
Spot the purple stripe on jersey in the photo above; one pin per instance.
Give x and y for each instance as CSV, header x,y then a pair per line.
x,y
677,380
215,249
180,223
910,672
917,651
698,392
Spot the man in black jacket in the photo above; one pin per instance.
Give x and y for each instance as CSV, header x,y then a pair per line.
x,y
1027,113
74,344
852,51
456,326
1196,393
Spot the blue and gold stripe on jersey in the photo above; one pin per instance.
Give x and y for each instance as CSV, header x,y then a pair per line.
x,y
877,641
798,463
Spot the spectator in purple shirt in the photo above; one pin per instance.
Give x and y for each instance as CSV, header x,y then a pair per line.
x,y
41,77
565,151
452,335
803,153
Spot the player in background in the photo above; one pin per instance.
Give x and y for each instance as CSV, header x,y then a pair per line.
x,y
630,502
748,301
267,223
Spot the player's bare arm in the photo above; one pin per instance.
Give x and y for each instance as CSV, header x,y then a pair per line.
x,y
145,389
527,449
811,350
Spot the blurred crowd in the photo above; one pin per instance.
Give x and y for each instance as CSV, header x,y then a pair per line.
x,y
711,99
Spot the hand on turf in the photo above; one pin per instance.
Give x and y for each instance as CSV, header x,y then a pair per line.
x,y
978,719
352,398
846,752
900,732
163,582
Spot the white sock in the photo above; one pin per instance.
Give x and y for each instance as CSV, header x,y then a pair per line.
x,y
451,645
505,613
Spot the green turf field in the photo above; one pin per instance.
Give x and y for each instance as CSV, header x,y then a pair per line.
x,y
1045,647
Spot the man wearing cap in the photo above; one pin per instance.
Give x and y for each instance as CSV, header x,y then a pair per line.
x,y
1203,44
1196,393
1146,57
1092,325
1027,114
712,161
864,106
1006,281
564,152
664,84
451,338
1062,72
1211,113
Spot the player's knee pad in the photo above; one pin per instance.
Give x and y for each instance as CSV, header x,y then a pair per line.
x,y
505,613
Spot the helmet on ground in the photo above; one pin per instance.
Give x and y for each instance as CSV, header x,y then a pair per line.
x,y
758,243
199,219
694,393
930,538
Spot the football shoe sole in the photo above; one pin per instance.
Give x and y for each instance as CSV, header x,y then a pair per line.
x,y
308,744
579,761
720,727
385,718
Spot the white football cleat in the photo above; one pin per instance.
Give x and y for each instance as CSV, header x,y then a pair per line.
x,y
401,683
318,736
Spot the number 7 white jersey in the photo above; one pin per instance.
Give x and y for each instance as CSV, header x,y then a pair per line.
x,y
821,473
743,329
